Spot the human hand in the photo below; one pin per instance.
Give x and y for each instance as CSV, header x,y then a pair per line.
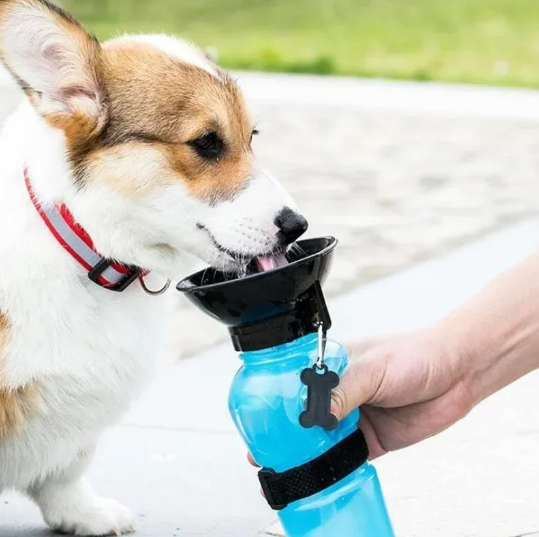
x,y
409,387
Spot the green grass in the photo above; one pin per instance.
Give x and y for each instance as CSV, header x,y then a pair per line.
x,y
473,41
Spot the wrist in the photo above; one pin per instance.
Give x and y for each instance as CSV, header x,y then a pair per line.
x,y
458,351
505,357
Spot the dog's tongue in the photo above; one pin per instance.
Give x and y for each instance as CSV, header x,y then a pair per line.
x,y
270,262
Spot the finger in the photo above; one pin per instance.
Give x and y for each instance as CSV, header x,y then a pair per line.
x,y
376,449
252,461
359,384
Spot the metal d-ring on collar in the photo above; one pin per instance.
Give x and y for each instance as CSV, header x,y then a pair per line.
x,y
149,291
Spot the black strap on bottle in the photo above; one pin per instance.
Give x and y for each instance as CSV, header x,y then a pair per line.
x,y
314,476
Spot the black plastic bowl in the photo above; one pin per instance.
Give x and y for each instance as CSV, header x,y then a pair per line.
x,y
235,301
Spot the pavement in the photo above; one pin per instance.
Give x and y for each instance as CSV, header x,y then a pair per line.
x,y
178,463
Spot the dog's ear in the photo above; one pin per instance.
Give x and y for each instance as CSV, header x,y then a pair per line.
x,y
54,59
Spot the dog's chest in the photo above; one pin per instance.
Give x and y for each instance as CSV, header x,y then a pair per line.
x,y
101,342
87,355
67,331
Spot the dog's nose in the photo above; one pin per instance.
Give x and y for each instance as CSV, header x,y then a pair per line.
x,y
291,225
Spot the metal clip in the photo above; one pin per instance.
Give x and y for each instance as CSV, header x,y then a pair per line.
x,y
322,340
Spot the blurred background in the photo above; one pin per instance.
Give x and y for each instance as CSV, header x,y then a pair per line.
x,y
480,41
355,122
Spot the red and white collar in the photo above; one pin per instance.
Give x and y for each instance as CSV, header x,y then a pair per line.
x,y
76,241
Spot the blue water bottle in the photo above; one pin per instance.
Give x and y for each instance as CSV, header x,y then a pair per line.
x,y
315,472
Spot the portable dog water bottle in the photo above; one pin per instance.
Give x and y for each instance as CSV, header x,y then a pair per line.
x,y
315,470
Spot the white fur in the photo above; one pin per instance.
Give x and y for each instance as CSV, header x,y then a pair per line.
x,y
90,351
180,49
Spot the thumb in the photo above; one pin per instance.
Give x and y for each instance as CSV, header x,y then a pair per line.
x,y
359,384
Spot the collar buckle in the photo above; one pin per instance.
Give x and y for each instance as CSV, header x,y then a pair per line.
x,y
96,272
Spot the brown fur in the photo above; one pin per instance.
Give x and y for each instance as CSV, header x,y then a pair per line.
x,y
157,104
15,404
160,102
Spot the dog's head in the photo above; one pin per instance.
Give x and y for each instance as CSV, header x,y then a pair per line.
x,y
157,141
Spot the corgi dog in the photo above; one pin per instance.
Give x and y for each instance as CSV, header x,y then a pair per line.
x,y
125,160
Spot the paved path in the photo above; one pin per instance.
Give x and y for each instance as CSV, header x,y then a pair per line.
x,y
398,171
178,463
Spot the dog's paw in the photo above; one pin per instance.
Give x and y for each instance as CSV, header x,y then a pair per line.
x,y
103,517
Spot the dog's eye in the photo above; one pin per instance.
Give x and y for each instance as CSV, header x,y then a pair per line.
x,y
209,146
255,132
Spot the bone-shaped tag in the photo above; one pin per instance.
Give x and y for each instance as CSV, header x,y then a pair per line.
x,y
319,381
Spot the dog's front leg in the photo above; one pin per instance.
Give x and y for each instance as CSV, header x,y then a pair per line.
x,y
70,505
